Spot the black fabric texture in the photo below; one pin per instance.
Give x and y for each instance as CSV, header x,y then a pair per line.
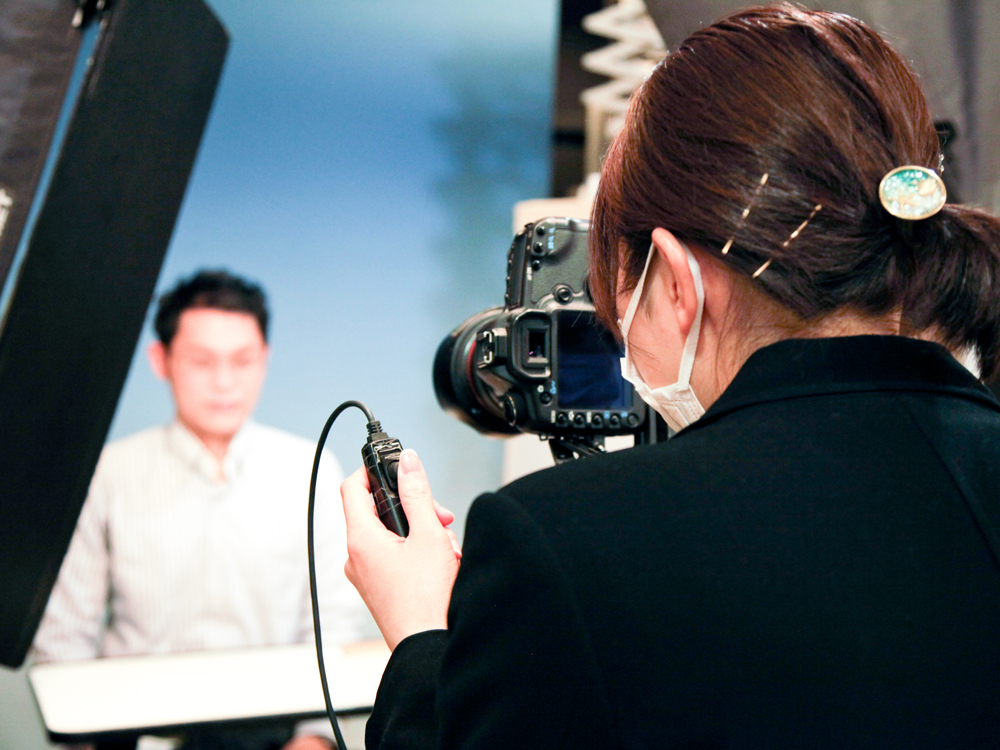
x,y
267,736
807,566
412,671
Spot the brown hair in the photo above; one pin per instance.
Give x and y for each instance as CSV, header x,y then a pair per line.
x,y
825,107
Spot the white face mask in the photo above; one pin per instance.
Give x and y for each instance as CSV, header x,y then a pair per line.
x,y
676,403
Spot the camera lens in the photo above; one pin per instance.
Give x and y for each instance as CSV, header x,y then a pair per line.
x,y
458,392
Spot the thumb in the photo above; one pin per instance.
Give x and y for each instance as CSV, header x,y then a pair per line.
x,y
415,490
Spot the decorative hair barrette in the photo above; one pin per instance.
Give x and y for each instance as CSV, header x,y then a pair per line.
x,y
912,193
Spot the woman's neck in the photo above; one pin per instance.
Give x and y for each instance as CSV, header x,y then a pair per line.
x,y
762,333
852,323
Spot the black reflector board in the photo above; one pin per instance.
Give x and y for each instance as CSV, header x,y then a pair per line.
x,y
38,47
85,283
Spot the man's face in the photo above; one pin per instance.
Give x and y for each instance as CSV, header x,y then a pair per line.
x,y
215,365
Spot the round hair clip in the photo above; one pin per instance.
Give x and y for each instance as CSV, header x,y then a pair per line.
x,y
912,192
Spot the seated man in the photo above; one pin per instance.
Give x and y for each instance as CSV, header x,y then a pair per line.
x,y
193,535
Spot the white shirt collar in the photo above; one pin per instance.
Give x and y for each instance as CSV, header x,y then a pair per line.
x,y
193,452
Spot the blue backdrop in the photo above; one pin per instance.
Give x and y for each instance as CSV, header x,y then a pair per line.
x,y
361,162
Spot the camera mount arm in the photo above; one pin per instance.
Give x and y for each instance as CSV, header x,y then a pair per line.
x,y
570,447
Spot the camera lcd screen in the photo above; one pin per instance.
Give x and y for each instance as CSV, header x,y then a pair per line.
x,y
589,373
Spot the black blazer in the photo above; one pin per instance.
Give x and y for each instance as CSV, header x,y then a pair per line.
x,y
813,564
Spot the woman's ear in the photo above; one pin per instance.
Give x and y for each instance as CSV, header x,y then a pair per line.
x,y
683,293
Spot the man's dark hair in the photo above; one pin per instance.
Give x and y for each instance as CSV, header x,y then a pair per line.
x,y
215,290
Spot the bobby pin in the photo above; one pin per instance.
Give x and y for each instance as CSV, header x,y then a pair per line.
x,y
816,209
802,226
763,268
746,212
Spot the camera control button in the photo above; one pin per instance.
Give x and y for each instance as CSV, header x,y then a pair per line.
x,y
597,421
614,421
579,421
561,419
633,420
392,473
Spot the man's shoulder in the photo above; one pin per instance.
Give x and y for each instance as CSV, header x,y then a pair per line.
x,y
137,444
130,460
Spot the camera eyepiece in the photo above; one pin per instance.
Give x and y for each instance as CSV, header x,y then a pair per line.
x,y
543,363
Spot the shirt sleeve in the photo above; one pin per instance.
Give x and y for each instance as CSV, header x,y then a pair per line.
x,y
343,614
515,669
75,615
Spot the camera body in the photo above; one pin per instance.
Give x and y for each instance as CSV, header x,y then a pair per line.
x,y
542,363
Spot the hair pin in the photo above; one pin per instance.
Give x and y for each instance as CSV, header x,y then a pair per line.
x,y
802,226
763,268
912,193
746,212
798,230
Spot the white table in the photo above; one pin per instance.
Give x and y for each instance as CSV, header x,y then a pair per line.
x,y
81,700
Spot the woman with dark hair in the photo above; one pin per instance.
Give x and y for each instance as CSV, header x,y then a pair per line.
x,y
813,560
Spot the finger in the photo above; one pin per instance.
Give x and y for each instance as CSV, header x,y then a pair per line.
x,y
415,491
454,544
445,516
359,510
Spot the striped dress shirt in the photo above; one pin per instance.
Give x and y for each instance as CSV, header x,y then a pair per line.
x,y
170,556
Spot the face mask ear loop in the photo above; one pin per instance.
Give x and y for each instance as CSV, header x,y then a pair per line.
x,y
633,303
691,342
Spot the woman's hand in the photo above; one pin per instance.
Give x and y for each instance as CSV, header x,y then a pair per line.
x,y
406,583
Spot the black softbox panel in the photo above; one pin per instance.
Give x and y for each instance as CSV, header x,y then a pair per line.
x,y
84,284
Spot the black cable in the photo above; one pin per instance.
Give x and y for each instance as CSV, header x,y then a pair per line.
x,y
313,593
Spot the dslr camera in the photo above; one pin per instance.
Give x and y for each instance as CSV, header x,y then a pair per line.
x,y
542,363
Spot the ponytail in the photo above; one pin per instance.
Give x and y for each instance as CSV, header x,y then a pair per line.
x,y
823,108
953,289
